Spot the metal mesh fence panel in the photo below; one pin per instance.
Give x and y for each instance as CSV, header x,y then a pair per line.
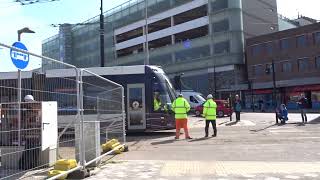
x,y
52,110
103,115
39,113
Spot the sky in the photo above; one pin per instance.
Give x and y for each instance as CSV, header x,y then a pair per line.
x,y
40,16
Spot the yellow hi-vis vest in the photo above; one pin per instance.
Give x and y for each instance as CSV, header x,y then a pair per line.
x,y
156,104
180,107
209,110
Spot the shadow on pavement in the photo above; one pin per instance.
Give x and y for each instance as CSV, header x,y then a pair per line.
x,y
315,121
258,130
163,142
133,136
231,123
199,139
225,122
300,124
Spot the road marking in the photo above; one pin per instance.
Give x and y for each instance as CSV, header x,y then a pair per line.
x,y
277,130
311,175
247,123
145,177
249,175
272,178
292,177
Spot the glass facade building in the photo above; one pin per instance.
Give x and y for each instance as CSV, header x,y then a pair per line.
x,y
200,38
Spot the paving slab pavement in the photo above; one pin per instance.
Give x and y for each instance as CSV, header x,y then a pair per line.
x,y
254,148
207,170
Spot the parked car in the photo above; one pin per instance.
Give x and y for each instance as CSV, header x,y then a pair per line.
x,y
222,109
194,98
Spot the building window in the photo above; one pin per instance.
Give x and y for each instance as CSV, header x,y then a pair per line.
x,y
269,47
284,44
130,50
159,25
258,70
221,26
318,62
270,69
256,50
301,41
190,15
192,34
287,67
160,43
303,64
222,47
129,35
219,5
317,38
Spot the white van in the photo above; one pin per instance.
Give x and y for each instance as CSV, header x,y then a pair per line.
x,y
194,98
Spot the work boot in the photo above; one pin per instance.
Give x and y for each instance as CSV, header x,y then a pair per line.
x,y
214,135
176,138
189,137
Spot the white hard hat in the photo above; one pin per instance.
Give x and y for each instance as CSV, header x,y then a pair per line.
x,y
28,98
180,95
210,96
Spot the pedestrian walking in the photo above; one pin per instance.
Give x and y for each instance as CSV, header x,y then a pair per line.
x,y
303,104
210,114
237,107
181,107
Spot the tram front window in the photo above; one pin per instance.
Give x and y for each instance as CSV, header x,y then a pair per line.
x,y
161,97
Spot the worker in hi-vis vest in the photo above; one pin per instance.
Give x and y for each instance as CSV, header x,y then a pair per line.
x,y
181,107
209,112
156,102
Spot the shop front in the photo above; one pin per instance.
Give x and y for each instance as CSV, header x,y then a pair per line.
x,y
261,100
311,92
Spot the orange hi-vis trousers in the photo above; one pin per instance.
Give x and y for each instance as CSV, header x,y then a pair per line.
x,y
182,123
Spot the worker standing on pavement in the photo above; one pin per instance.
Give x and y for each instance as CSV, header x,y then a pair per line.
x,y
209,112
181,107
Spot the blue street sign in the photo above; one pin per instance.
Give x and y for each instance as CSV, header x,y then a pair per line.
x,y
187,44
19,59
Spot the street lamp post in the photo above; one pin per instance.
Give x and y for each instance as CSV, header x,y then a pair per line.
x,y
24,30
178,82
274,87
101,35
147,61
20,31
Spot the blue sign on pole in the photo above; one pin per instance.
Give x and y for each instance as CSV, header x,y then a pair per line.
x,y
19,59
187,44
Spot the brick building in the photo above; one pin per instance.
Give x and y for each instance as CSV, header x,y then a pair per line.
x,y
296,57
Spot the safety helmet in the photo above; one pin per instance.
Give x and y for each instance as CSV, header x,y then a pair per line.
x,y
210,96
180,95
28,98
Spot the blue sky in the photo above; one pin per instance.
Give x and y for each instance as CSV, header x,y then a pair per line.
x,y
38,17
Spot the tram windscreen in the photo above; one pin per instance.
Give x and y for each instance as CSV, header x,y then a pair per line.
x,y
163,91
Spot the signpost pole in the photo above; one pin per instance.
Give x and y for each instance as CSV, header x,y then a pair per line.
x,y
20,60
19,107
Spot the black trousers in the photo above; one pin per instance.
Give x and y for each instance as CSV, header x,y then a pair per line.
x,y
214,126
303,115
237,115
30,156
